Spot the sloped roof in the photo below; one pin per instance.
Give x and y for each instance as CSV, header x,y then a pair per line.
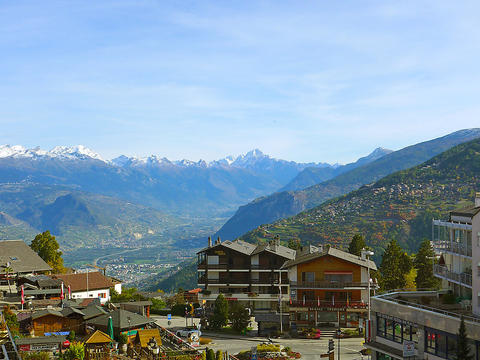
x,y
120,318
21,257
275,249
237,245
467,212
143,336
42,313
92,311
339,254
78,282
99,337
43,281
71,310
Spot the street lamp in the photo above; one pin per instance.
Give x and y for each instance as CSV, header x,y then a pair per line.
x,y
367,254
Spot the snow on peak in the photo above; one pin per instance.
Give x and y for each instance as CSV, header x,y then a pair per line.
x,y
64,152
74,152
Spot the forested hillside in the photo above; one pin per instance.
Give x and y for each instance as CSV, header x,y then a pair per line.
x,y
399,206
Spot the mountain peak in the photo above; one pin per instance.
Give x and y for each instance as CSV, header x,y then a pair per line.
x,y
64,152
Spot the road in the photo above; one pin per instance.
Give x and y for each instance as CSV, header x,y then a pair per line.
x,y
310,349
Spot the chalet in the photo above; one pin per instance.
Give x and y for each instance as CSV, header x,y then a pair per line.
x,y
123,321
328,287
16,259
88,285
250,274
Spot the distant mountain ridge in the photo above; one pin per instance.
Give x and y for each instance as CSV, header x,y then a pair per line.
x,y
269,209
399,206
314,175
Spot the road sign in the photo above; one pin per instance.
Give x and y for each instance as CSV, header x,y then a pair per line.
x,y
408,348
169,316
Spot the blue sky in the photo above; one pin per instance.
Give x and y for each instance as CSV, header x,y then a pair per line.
x,y
301,80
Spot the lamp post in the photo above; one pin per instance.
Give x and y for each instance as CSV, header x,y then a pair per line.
x,y
367,254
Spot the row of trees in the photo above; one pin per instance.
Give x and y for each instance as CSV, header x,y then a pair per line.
x,y
398,270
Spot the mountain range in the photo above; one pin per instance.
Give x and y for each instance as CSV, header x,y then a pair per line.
x,y
400,206
77,195
279,205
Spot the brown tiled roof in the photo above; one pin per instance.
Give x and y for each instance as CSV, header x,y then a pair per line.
x,y
78,282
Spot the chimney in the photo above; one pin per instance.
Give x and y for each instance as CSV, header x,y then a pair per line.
x,y
209,241
477,199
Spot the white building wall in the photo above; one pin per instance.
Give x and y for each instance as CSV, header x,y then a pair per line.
x,y
118,288
292,274
476,264
103,294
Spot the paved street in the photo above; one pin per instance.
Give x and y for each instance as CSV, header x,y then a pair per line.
x,y
310,349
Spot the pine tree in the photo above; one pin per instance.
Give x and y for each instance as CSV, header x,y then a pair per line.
x,y
220,313
356,245
463,348
46,246
424,264
239,316
396,264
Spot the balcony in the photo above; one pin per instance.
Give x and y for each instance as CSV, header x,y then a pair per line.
x,y
453,247
226,281
443,272
328,285
246,296
329,304
205,266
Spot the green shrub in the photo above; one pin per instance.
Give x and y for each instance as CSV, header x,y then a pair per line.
x,y
268,348
210,354
71,336
219,355
36,356
449,298
123,339
76,351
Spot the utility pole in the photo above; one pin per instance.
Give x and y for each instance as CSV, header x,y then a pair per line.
x,y
280,300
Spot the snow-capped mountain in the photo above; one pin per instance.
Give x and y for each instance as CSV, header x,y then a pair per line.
x,y
59,152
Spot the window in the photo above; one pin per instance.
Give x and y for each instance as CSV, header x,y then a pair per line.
x,y
380,326
389,329
394,329
308,276
441,344
340,278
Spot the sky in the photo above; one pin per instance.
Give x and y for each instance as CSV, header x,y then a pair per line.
x,y
323,81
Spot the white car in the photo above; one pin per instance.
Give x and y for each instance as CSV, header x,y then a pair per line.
x,y
193,334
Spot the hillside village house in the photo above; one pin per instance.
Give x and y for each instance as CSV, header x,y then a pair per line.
x,y
328,287
424,320
18,259
319,286
244,272
88,285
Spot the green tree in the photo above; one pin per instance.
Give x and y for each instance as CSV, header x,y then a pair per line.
x,y
239,316
396,264
76,351
294,244
11,320
220,313
357,244
463,348
424,264
46,246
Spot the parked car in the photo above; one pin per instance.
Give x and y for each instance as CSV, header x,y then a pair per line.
x,y
188,333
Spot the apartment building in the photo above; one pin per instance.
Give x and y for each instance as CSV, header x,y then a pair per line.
x,y
328,287
424,324
251,274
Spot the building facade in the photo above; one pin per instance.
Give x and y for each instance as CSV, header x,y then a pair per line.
x,y
243,272
328,287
